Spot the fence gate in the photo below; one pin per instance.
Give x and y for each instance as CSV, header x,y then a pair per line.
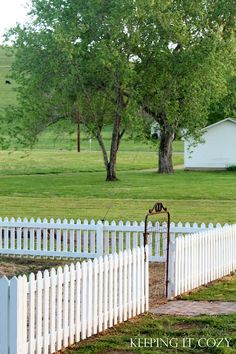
x,y
158,271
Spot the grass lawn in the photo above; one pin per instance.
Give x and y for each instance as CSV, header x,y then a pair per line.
x,y
117,340
66,184
38,162
221,290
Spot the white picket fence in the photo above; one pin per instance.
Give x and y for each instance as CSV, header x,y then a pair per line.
x,y
76,239
200,258
57,309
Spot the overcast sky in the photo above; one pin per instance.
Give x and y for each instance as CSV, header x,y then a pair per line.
x,y
11,12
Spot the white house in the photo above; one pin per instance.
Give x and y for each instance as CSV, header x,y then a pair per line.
x,y
217,149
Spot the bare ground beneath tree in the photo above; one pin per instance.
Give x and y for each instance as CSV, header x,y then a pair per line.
x,y
157,286
14,266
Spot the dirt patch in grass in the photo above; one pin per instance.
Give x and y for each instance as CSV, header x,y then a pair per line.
x,y
14,266
157,286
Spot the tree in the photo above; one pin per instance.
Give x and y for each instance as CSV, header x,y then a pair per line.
x,y
226,106
74,55
109,59
184,54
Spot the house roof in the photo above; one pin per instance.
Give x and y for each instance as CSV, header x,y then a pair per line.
x,y
233,120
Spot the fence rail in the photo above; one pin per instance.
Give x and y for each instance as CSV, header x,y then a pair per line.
x,y
200,258
56,309
77,239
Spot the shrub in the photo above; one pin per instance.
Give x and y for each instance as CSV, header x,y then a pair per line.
x,y
231,168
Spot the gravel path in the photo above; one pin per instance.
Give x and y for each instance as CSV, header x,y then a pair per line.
x,y
195,308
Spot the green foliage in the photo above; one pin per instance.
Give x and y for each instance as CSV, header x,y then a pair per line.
x,y
226,106
231,168
185,51
64,60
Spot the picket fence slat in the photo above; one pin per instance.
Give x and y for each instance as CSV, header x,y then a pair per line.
x,y
4,314
53,283
72,304
95,307
77,303
116,287
105,293
125,305
84,308
59,309
90,298
46,283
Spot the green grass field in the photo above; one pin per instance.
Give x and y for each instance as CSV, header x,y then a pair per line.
x,y
66,184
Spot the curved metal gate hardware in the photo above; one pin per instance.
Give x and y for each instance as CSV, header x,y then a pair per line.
x,y
159,208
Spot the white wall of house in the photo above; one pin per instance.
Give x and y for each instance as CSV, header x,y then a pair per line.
x,y
218,151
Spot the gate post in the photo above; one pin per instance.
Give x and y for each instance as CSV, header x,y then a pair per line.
x,y
146,272
16,317
171,265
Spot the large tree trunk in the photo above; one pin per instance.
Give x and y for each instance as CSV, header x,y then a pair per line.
x,y
165,152
111,172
